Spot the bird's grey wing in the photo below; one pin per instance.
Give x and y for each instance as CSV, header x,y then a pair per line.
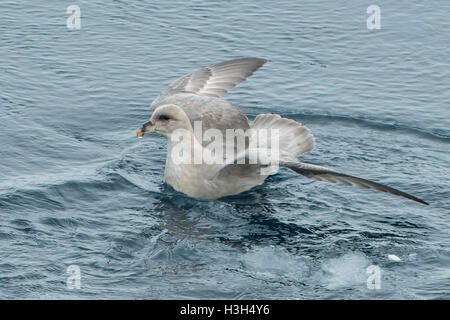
x,y
214,80
242,172
325,174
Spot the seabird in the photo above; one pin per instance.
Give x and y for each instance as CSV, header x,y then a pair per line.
x,y
196,99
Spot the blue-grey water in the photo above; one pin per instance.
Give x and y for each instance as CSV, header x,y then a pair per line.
x,y
78,188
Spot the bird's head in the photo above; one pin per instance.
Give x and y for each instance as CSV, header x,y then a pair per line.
x,y
165,120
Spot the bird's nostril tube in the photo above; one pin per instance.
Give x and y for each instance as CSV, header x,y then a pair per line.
x,y
147,124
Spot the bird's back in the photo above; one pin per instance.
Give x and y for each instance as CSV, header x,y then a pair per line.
x,y
212,112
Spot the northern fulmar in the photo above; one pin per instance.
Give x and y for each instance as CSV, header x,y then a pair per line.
x,y
194,118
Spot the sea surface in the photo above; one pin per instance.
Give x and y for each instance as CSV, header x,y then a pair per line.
x,y
77,188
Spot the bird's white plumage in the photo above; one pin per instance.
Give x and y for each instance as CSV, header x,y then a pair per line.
x,y
197,97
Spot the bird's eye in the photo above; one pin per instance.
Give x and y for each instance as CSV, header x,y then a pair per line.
x,y
163,117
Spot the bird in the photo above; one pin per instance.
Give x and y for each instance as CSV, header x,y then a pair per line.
x,y
197,100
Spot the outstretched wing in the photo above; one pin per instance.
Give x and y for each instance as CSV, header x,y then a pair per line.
x,y
325,174
213,81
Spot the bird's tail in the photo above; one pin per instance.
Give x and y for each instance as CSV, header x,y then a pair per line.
x,y
294,139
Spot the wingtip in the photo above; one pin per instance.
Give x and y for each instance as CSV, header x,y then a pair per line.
x,y
423,202
410,197
262,61
257,64
416,199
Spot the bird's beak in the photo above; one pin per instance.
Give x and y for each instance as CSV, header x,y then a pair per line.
x,y
148,127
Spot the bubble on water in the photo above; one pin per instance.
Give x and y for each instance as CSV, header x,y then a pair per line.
x,y
393,257
273,263
154,239
412,256
348,270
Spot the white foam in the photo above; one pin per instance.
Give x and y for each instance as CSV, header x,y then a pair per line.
x,y
273,263
393,257
155,238
346,271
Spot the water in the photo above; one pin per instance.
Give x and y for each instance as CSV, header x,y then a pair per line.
x,y
78,188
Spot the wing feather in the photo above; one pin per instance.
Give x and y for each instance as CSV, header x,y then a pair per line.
x,y
214,80
325,174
